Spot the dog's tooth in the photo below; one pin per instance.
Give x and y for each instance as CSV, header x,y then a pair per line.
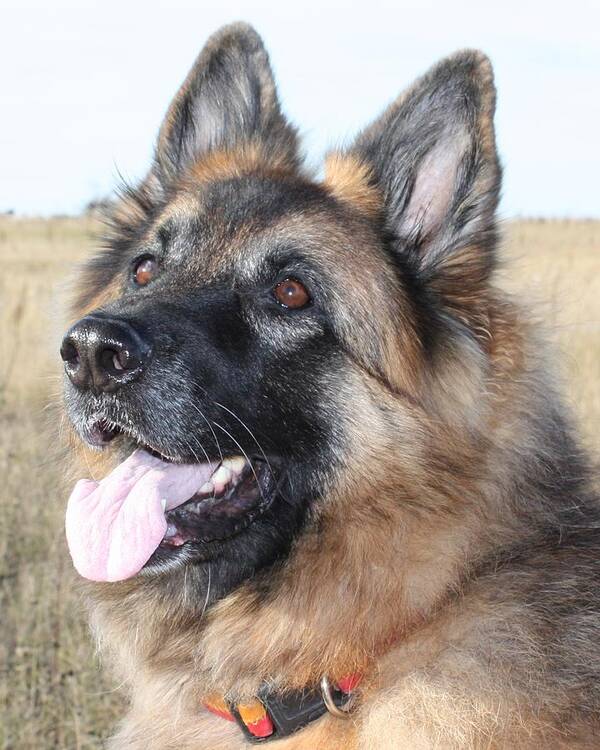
x,y
207,488
222,474
221,478
235,464
163,502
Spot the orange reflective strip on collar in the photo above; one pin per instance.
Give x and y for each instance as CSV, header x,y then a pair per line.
x,y
255,717
216,705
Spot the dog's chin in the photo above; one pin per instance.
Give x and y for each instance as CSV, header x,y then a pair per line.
x,y
240,490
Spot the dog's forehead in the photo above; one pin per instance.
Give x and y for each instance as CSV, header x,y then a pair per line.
x,y
237,224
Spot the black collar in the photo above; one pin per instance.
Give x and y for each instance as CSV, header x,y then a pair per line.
x,y
272,715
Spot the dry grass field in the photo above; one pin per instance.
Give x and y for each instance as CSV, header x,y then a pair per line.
x,y
51,691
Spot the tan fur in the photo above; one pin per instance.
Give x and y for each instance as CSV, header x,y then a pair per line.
x,y
349,180
226,164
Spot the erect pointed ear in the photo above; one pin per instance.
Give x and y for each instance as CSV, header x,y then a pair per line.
x,y
432,158
227,101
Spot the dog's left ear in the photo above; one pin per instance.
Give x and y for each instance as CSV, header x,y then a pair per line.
x,y
227,101
431,158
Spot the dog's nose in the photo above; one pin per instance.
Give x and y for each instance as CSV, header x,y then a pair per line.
x,y
103,353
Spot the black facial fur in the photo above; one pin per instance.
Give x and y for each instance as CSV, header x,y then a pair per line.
x,y
215,384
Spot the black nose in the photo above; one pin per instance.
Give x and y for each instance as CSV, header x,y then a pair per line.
x,y
103,353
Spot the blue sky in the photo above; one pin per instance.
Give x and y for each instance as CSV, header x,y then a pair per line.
x,y
85,85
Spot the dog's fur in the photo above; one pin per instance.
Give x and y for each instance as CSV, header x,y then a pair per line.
x,y
440,534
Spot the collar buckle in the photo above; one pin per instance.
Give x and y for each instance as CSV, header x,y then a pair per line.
x,y
337,702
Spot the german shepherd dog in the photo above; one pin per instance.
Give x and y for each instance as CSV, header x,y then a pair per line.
x,y
339,501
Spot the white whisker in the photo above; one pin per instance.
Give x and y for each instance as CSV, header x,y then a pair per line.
x,y
210,428
207,592
245,456
248,430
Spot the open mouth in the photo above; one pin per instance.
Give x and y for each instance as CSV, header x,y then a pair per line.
x,y
229,501
235,495
151,506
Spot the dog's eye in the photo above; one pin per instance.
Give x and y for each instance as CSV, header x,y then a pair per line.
x,y
292,294
144,270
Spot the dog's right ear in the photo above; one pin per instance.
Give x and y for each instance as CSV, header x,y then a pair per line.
x,y
429,163
227,101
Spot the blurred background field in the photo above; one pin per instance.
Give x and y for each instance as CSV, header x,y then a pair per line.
x,y
53,694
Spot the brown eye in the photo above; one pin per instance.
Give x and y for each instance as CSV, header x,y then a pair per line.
x,y
144,271
291,294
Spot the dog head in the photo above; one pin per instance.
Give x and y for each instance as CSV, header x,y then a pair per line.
x,y
284,331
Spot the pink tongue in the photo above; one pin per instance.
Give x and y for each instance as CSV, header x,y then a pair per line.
x,y
114,526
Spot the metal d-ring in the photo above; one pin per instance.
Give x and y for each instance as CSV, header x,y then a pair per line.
x,y
341,712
